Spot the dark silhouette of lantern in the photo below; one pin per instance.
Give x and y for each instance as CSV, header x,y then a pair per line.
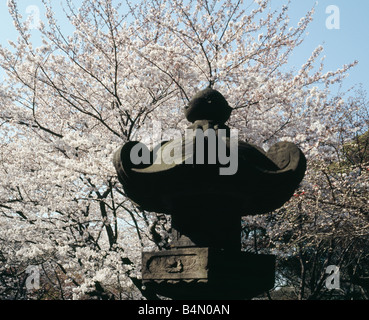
x,y
205,261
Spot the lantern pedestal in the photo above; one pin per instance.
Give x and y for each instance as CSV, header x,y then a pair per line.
x,y
207,274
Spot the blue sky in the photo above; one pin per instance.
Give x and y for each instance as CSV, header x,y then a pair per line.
x,y
342,46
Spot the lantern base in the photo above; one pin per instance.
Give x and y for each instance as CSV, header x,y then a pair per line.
x,y
203,273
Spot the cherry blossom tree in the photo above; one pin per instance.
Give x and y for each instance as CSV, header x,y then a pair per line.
x,y
68,104
326,222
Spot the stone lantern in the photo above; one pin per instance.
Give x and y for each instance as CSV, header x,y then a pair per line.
x,y
206,204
